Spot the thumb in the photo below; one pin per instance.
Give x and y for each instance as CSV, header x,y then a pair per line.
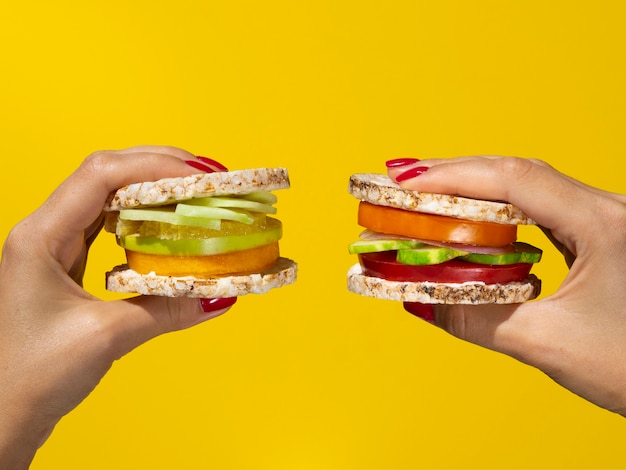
x,y
502,328
132,322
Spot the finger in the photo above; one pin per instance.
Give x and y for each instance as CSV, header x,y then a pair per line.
x,y
398,166
81,197
502,328
77,270
134,321
543,193
77,204
159,149
395,171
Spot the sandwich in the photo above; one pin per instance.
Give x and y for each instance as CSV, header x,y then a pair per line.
x,y
423,248
208,235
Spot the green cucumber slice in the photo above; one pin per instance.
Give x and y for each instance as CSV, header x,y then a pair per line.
x,y
191,210
203,246
520,253
371,246
168,216
235,202
264,197
428,255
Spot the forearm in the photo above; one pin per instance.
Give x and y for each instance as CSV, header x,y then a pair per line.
x,y
14,455
22,432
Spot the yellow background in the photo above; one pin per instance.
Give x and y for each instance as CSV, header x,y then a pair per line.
x,y
311,376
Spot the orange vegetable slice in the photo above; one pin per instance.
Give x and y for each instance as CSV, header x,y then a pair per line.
x,y
249,261
440,228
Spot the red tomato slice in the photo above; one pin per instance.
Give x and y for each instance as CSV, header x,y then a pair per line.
x,y
383,264
434,227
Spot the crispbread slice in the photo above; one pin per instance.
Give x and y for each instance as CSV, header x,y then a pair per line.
x,y
123,279
472,293
170,190
381,190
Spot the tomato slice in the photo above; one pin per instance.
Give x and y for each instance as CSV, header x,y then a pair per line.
x,y
434,227
383,264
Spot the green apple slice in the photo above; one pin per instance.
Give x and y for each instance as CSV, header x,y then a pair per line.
x,y
375,245
264,197
203,246
169,216
233,202
192,210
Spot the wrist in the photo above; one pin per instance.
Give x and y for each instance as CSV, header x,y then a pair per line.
x,y
22,431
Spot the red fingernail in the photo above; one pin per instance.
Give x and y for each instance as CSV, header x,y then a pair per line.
x,y
411,173
211,305
199,166
423,311
215,163
398,162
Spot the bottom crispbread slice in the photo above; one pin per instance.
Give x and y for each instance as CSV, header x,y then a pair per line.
x,y
123,279
472,293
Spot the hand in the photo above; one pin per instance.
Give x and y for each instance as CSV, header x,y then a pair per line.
x,y
57,340
575,335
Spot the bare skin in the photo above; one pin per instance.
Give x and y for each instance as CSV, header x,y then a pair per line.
x,y
57,340
576,335
54,353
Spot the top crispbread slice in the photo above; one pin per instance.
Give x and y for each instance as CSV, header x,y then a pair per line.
x,y
381,190
170,190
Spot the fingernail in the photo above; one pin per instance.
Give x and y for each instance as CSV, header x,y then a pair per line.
x,y
215,163
398,162
211,305
424,311
199,166
411,173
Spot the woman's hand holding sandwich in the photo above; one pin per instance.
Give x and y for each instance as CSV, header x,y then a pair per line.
x,y
575,335
46,318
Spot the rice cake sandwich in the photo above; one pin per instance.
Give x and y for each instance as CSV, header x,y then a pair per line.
x,y
423,248
208,235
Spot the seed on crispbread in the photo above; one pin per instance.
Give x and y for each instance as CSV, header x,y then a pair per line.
x,y
123,279
472,293
381,190
170,190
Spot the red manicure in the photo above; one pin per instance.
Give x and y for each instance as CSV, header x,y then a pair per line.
x,y
411,173
423,311
215,163
397,162
211,305
199,166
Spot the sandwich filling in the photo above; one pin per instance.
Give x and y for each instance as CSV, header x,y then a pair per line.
x,y
201,237
402,245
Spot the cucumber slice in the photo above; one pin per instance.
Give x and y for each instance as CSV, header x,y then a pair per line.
x,y
168,216
428,254
191,210
234,202
264,197
371,246
520,253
